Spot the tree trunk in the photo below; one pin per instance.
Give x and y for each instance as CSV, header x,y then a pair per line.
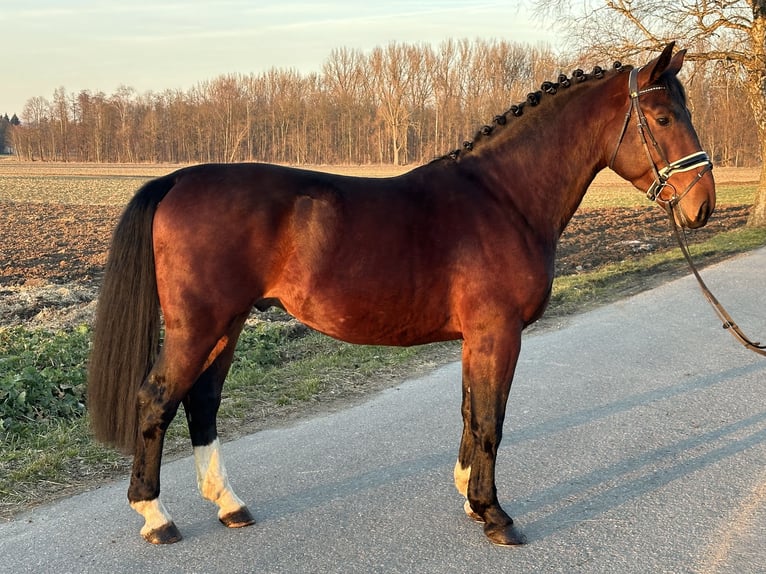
x,y
756,88
757,217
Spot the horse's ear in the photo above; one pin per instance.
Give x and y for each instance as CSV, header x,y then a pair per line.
x,y
664,62
677,62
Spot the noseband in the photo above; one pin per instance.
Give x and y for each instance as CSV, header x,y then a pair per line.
x,y
661,176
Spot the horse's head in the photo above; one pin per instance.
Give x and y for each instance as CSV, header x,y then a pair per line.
x,y
658,150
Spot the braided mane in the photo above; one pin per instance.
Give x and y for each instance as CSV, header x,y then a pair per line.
x,y
501,121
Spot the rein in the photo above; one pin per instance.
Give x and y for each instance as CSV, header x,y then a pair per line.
x,y
723,315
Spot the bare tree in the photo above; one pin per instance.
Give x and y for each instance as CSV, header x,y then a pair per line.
x,y
418,99
122,104
730,31
390,81
60,112
37,119
448,71
343,76
718,100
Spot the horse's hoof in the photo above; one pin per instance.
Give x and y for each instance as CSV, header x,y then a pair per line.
x,y
507,535
165,534
470,512
238,519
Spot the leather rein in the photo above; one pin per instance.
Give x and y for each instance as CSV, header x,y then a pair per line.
x,y
661,176
723,315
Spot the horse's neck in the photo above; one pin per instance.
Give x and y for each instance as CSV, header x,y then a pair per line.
x,y
546,164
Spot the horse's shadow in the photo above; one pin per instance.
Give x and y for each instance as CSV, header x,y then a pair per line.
x,y
596,493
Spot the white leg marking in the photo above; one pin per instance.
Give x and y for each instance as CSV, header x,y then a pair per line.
x,y
154,514
212,481
462,476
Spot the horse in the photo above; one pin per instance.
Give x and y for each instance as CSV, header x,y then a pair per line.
x,y
461,247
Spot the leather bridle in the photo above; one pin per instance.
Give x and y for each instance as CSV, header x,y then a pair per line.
x,y
661,175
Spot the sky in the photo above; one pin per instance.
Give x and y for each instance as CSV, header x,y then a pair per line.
x,y
154,45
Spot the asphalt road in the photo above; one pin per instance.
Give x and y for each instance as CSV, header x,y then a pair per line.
x,y
635,442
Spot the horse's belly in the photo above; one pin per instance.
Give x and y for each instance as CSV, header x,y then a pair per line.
x,y
362,321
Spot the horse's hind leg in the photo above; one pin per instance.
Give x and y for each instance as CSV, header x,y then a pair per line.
x,y
157,405
184,356
201,406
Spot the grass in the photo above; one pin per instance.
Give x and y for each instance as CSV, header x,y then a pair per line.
x,y
605,197
572,293
280,368
41,377
308,362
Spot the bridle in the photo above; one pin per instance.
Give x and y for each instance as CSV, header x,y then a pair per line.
x,y
661,176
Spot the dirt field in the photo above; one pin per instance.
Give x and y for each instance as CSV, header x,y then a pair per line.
x,y
53,251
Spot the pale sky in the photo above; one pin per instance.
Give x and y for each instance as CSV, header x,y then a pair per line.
x,y
154,45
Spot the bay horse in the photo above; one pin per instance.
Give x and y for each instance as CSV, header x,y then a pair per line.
x,y
460,248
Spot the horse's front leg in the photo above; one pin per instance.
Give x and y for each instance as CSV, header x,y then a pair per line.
x,y
488,365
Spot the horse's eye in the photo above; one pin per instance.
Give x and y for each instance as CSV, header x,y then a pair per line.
x,y
663,120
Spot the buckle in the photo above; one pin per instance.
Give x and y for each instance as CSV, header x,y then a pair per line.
x,y
656,188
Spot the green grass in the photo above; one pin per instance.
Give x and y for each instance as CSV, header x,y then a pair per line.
x,y
574,292
45,445
736,194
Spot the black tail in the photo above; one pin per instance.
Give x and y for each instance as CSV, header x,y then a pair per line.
x,y
127,325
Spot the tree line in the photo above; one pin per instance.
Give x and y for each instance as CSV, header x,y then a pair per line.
x,y
397,104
